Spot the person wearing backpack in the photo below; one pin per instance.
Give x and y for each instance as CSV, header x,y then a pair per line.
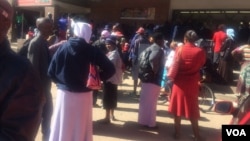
x,y
151,85
139,45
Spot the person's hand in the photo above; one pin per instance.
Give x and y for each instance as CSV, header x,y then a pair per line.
x,y
173,45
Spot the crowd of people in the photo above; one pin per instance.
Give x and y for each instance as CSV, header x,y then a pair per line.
x,y
62,55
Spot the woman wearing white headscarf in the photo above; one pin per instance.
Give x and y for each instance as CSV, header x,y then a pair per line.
x,y
69,69
225,68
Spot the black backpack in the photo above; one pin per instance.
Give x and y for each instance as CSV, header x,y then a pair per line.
x,y
145,72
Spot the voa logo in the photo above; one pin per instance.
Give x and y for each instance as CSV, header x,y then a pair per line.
x,y
236,132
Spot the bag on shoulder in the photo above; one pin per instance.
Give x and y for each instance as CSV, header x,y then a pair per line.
x,y
145,72
93,81
226,49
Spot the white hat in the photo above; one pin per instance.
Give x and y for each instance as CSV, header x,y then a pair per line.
x,y
83,30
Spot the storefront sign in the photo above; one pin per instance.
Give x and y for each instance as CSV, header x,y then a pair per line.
x,y
138,13
34,2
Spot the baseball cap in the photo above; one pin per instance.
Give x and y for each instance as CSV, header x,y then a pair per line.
x,y
140,30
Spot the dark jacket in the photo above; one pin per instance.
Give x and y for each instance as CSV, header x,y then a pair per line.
x,y
156,60
100,43
69,67
141,43
38,54
20,97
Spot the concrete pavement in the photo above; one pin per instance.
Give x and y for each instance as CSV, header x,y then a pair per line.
x,y
127,129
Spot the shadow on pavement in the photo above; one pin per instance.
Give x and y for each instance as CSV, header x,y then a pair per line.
x,y
132,131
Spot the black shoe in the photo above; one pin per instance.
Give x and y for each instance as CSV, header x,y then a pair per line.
x,y
150,128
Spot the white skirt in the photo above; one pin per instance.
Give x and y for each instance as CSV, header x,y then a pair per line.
x,y
72,117
148,103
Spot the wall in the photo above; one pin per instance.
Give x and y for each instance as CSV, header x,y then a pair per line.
x,y
210,4
239,11
9,34
110,10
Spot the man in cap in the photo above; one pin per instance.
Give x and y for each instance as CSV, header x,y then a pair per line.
x,y
132,43
140,43
20,92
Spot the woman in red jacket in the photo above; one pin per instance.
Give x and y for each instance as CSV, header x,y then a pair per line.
x,y
185,75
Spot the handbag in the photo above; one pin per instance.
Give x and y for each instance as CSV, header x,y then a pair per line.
x,y
173,70
94,81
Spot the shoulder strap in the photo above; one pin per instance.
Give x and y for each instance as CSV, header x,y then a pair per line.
x,y
93,61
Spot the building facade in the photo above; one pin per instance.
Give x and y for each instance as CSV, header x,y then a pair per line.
x,y
136,12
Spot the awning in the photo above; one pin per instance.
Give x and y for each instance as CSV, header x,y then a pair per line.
x,y
70,8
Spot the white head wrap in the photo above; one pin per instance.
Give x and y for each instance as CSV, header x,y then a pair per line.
x,y
230,33
83,30
105,34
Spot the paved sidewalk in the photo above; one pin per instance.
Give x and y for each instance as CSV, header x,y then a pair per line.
x,y
127,129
